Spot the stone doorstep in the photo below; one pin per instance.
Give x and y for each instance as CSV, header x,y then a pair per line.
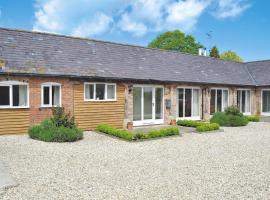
x,y
6,180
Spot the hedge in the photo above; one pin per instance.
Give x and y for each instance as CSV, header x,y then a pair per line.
x,y
126,135
207,127
189,123
200,126
253,118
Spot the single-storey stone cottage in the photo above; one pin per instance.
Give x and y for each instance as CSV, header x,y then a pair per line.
x,y
122,85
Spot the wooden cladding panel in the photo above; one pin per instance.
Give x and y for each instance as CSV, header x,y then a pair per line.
x,y
88,114
14,121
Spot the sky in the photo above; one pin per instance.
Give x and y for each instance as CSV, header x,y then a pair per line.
x,y
239,25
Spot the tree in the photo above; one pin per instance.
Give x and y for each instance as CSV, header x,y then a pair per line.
x,y
176,41
214,52
231,55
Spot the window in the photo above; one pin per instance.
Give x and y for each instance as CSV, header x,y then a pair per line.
x,y
188,103
51,95
99,92
243,101
219,100
266,102
13,94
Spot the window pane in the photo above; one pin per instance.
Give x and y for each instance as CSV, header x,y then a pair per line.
x,y
19,95
213,102
239,99
89,91
159,103
15,91
225,97
195,103
147,102
46,95
4,95
180,102
110,91
100,91
248,102
219,100
137,104
266,101
243,101
188,102
56,95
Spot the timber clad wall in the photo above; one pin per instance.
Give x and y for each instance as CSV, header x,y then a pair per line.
x,y
88,114
14,121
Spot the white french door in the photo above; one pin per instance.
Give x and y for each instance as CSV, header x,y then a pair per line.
x,y
266,102
243,101
219,100
147,105
188,103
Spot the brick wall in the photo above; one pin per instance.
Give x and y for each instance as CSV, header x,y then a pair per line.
x,y
37,113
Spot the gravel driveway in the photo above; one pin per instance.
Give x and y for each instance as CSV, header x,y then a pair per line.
x,y
234,164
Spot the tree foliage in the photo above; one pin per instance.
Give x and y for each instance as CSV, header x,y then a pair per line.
x,y
176,41
214,52
231,55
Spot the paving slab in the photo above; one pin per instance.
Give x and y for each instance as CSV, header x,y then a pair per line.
x,y
6,180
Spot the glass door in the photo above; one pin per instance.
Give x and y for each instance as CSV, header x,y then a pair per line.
x,y
219,100
243,101
266,102
188,103
147,105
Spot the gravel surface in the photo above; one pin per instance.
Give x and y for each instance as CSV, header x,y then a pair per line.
x,y
234,164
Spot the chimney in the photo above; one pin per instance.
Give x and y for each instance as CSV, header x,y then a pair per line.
x,y
202,52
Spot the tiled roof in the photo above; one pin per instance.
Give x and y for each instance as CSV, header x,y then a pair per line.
x,y
260,70
42,53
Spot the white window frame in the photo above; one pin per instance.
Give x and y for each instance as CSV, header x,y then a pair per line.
x,y
105,94
241,89
177,105
222,107
10,85
153,120
50,85
264,113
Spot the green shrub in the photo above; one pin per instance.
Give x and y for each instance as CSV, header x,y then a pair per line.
x,y
189,123
253,118
228,119
60,118
220,118
47,131
60,128
207,127
124,134
104,128
233,110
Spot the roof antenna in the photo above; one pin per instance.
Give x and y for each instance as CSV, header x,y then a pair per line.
x,y
209,36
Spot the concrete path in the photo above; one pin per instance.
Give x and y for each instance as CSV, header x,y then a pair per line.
x,y
6,180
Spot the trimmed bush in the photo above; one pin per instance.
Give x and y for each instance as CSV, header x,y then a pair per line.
x,y
124,134
47,131
200,126
253,118
189,123
60,128
207,127
224,119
